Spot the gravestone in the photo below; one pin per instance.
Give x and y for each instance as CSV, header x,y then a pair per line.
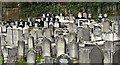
x,y
46,24
5,54
40,33
86,34
96,56
73,49
109,45
79,14
106,27
3,42
84,56
64,59
20,35
21,50
56,23
11,60
48,33
116,58
46,47
48,61
60,46
108,57
26,35
97,31
30,42
85,15
9,36
71,37
15,36
34,34
4,30
31,57
79,34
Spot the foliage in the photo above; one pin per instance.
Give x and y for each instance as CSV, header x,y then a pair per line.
x,y
36,9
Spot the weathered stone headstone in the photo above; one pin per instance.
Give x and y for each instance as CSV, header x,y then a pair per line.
x,y
3,41
11,60
116,58
106,27
64,59
30,42
34,34
47,33
21,50
79,34
84,56
9,36
31,57
15,36
79,14
5,53
48,61
71,37
73,49
46,48
109,46
96,56
85,15
61,46
86,34
108,57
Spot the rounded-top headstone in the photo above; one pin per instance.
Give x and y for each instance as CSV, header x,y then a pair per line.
x,y
96,55
116,58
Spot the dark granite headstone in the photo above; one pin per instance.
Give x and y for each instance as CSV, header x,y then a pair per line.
x,y
116,58
96,56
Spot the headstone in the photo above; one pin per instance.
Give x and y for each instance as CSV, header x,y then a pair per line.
x,y
4,29
85,15
109,46
72,36
84,56
56,24
30,42
40,33
64,59
108,57
106,27
100,16
9,36
11,60
48,33
86,34
79,34
89,16
46,25
5,54
116,58
48,61
96,56
73,49
21,48
79,14
15,36
31,57
34,34
61,46
46,48
26,35
3,42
